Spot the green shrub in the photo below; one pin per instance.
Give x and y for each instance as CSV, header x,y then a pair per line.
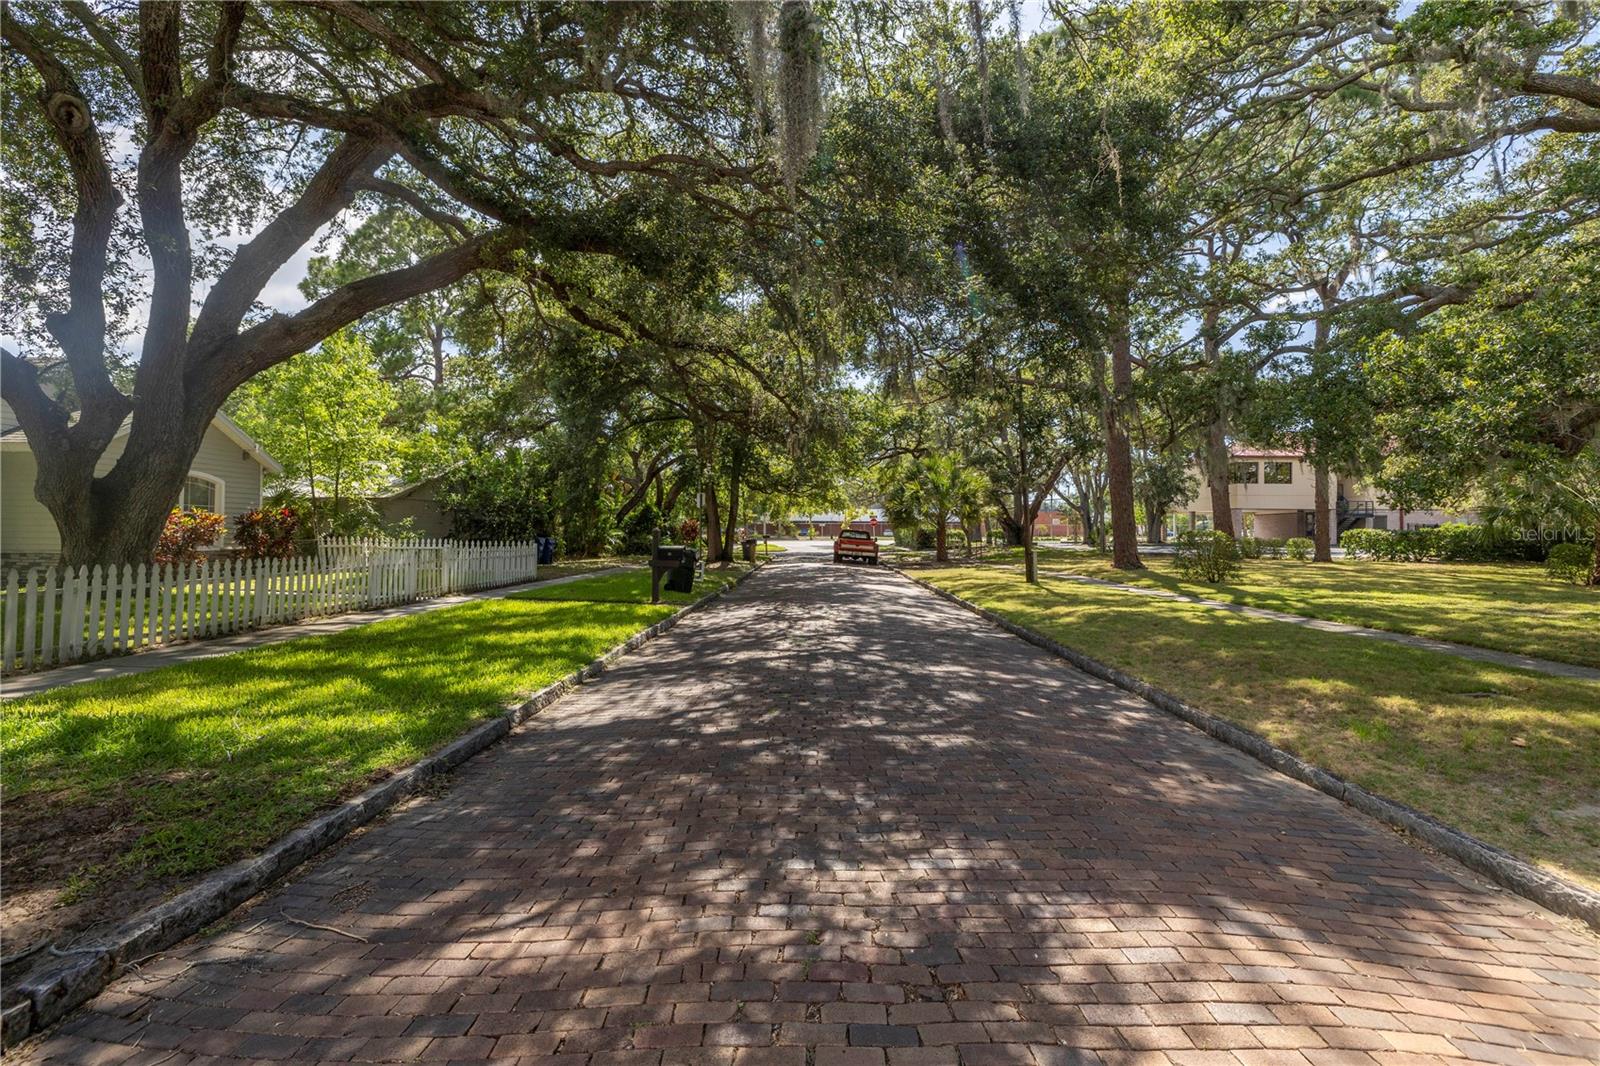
x,y
1389,545
1454,542
1299,548
1368,543
1249,548
1415,545
1570,562
1207,555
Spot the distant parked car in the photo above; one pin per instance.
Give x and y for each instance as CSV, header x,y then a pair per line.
x,y
855,544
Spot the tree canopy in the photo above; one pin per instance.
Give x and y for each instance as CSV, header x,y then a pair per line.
x,y
606,267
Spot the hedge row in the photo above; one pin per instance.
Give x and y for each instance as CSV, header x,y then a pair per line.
x,y
1453,543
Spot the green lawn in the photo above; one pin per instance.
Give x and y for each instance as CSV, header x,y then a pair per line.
x,y
170,773
1508,755
1509,606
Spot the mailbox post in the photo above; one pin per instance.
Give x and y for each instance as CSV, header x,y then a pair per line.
x,y
657,571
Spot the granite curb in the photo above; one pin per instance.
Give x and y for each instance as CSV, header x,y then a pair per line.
x,y
79,974
1503,868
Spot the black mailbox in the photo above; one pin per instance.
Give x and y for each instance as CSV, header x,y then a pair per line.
x,y
670,555
676,561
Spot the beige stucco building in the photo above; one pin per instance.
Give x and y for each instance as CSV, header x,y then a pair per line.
x,y
1273,494
226,477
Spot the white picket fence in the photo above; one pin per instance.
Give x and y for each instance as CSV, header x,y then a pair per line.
x,y
65,615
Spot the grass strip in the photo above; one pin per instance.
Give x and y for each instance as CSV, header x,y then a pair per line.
x,y
1510,607
1510,756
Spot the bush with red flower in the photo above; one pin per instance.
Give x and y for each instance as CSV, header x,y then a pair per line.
x,y
186,533
267,532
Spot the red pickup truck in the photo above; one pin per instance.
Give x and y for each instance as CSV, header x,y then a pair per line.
x,y
855,544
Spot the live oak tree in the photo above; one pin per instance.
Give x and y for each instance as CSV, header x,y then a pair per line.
x,y
1506,386
155,131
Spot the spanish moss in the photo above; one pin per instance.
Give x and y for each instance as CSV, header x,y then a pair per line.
x,y
799,86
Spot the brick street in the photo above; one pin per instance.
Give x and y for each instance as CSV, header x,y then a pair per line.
x,y
835,821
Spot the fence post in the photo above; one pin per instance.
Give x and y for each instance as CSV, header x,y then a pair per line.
x,y
161,595
13,608
28,617
80,610
117,596
49,618
96,610
141,622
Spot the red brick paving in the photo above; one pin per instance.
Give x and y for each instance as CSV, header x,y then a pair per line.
x,y
837,822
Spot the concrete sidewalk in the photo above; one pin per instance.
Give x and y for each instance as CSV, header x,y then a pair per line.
x,y
13,688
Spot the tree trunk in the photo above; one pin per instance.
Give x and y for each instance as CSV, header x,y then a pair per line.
x,y
1152,522
713,525
941,551
116,519
1323,537
1115,407
732,533
1086,516
1594,572
1030,561
121,533
437,332
1011,533
1217,480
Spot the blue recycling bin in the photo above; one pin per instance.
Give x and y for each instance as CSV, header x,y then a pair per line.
x,y
547,550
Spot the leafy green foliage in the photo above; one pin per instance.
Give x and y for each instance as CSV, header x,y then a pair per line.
x,y
1453,542
323,416
1571,562
1298,548
1207,555
505,496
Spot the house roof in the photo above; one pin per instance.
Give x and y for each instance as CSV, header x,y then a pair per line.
x,y
1264,453
399,489
14,439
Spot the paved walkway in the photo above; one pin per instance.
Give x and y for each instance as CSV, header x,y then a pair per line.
x,y
835,821
14,688
1446,647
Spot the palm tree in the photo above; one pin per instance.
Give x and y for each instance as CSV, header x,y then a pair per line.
x,y
949,489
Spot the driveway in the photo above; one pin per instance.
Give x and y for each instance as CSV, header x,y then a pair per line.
x,y
835,821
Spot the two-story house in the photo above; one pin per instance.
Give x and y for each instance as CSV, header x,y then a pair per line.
x,y
1273,494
